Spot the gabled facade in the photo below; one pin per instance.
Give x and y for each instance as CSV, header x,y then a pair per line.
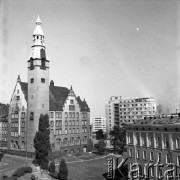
x,y
69,116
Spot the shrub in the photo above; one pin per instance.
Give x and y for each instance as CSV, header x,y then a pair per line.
x,y
22,171
52,167
53,175
33,177
44,165
63,171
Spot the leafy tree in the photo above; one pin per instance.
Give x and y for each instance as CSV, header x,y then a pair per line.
x,y
101,145
63,171
42,141
99,134
118,139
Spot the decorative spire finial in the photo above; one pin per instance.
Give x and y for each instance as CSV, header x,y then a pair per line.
x,y
38,20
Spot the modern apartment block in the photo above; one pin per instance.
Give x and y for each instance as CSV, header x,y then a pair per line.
x,y
126,110
154,141
98,123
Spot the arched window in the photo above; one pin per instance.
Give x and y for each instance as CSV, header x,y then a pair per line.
x,y
58,141
78,140
65,142
23,145
72,141
85,139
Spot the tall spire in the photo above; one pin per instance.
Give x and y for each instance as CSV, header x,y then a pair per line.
x,y
38,29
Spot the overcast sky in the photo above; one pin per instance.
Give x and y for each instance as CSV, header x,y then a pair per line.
x,y
102,48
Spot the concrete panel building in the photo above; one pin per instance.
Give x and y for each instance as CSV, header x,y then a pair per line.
x,y
127,110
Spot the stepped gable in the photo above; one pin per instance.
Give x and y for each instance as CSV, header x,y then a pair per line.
x,y
57,97
3,110
83,105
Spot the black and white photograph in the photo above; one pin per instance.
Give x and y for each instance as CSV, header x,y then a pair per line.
x,y
89,89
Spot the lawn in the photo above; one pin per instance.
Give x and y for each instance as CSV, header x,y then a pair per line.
x,y
88,170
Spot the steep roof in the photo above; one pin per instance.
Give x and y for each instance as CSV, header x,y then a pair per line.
x,y
3,110
57,97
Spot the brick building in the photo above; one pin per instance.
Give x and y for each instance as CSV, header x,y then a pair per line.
x,y
154,140
3,126
69,116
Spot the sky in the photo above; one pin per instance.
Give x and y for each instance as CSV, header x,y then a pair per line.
x,y
103,48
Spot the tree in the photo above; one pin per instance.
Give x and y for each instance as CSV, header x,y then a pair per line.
x,y
63,171
118,139
100,146
42,142
99,134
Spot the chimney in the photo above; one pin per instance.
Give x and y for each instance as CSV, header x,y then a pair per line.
x,y
52,83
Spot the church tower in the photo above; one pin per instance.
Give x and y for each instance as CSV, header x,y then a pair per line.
x,y
38,84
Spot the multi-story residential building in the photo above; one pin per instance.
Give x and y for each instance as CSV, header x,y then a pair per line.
x,y
3,125
69,116
127,110
98,123
154,141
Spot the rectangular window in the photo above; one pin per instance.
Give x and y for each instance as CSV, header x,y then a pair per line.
x,y
151,156
31,116
77,130
72,101
166,142
32,80
151,141
42,80
60,131
73,114
178,143
130,152
70,114
77,115
168,158
72,107
52,114
23,115
57,114
66,131
60,123
178,160
17,97
57,123
57,131
12,115
66,114
137,153
159,157
52,123
144,154
158,141
60,114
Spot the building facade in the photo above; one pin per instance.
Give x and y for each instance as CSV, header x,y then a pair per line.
x,y
3,126
154,141
98,123
127,110
69,116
